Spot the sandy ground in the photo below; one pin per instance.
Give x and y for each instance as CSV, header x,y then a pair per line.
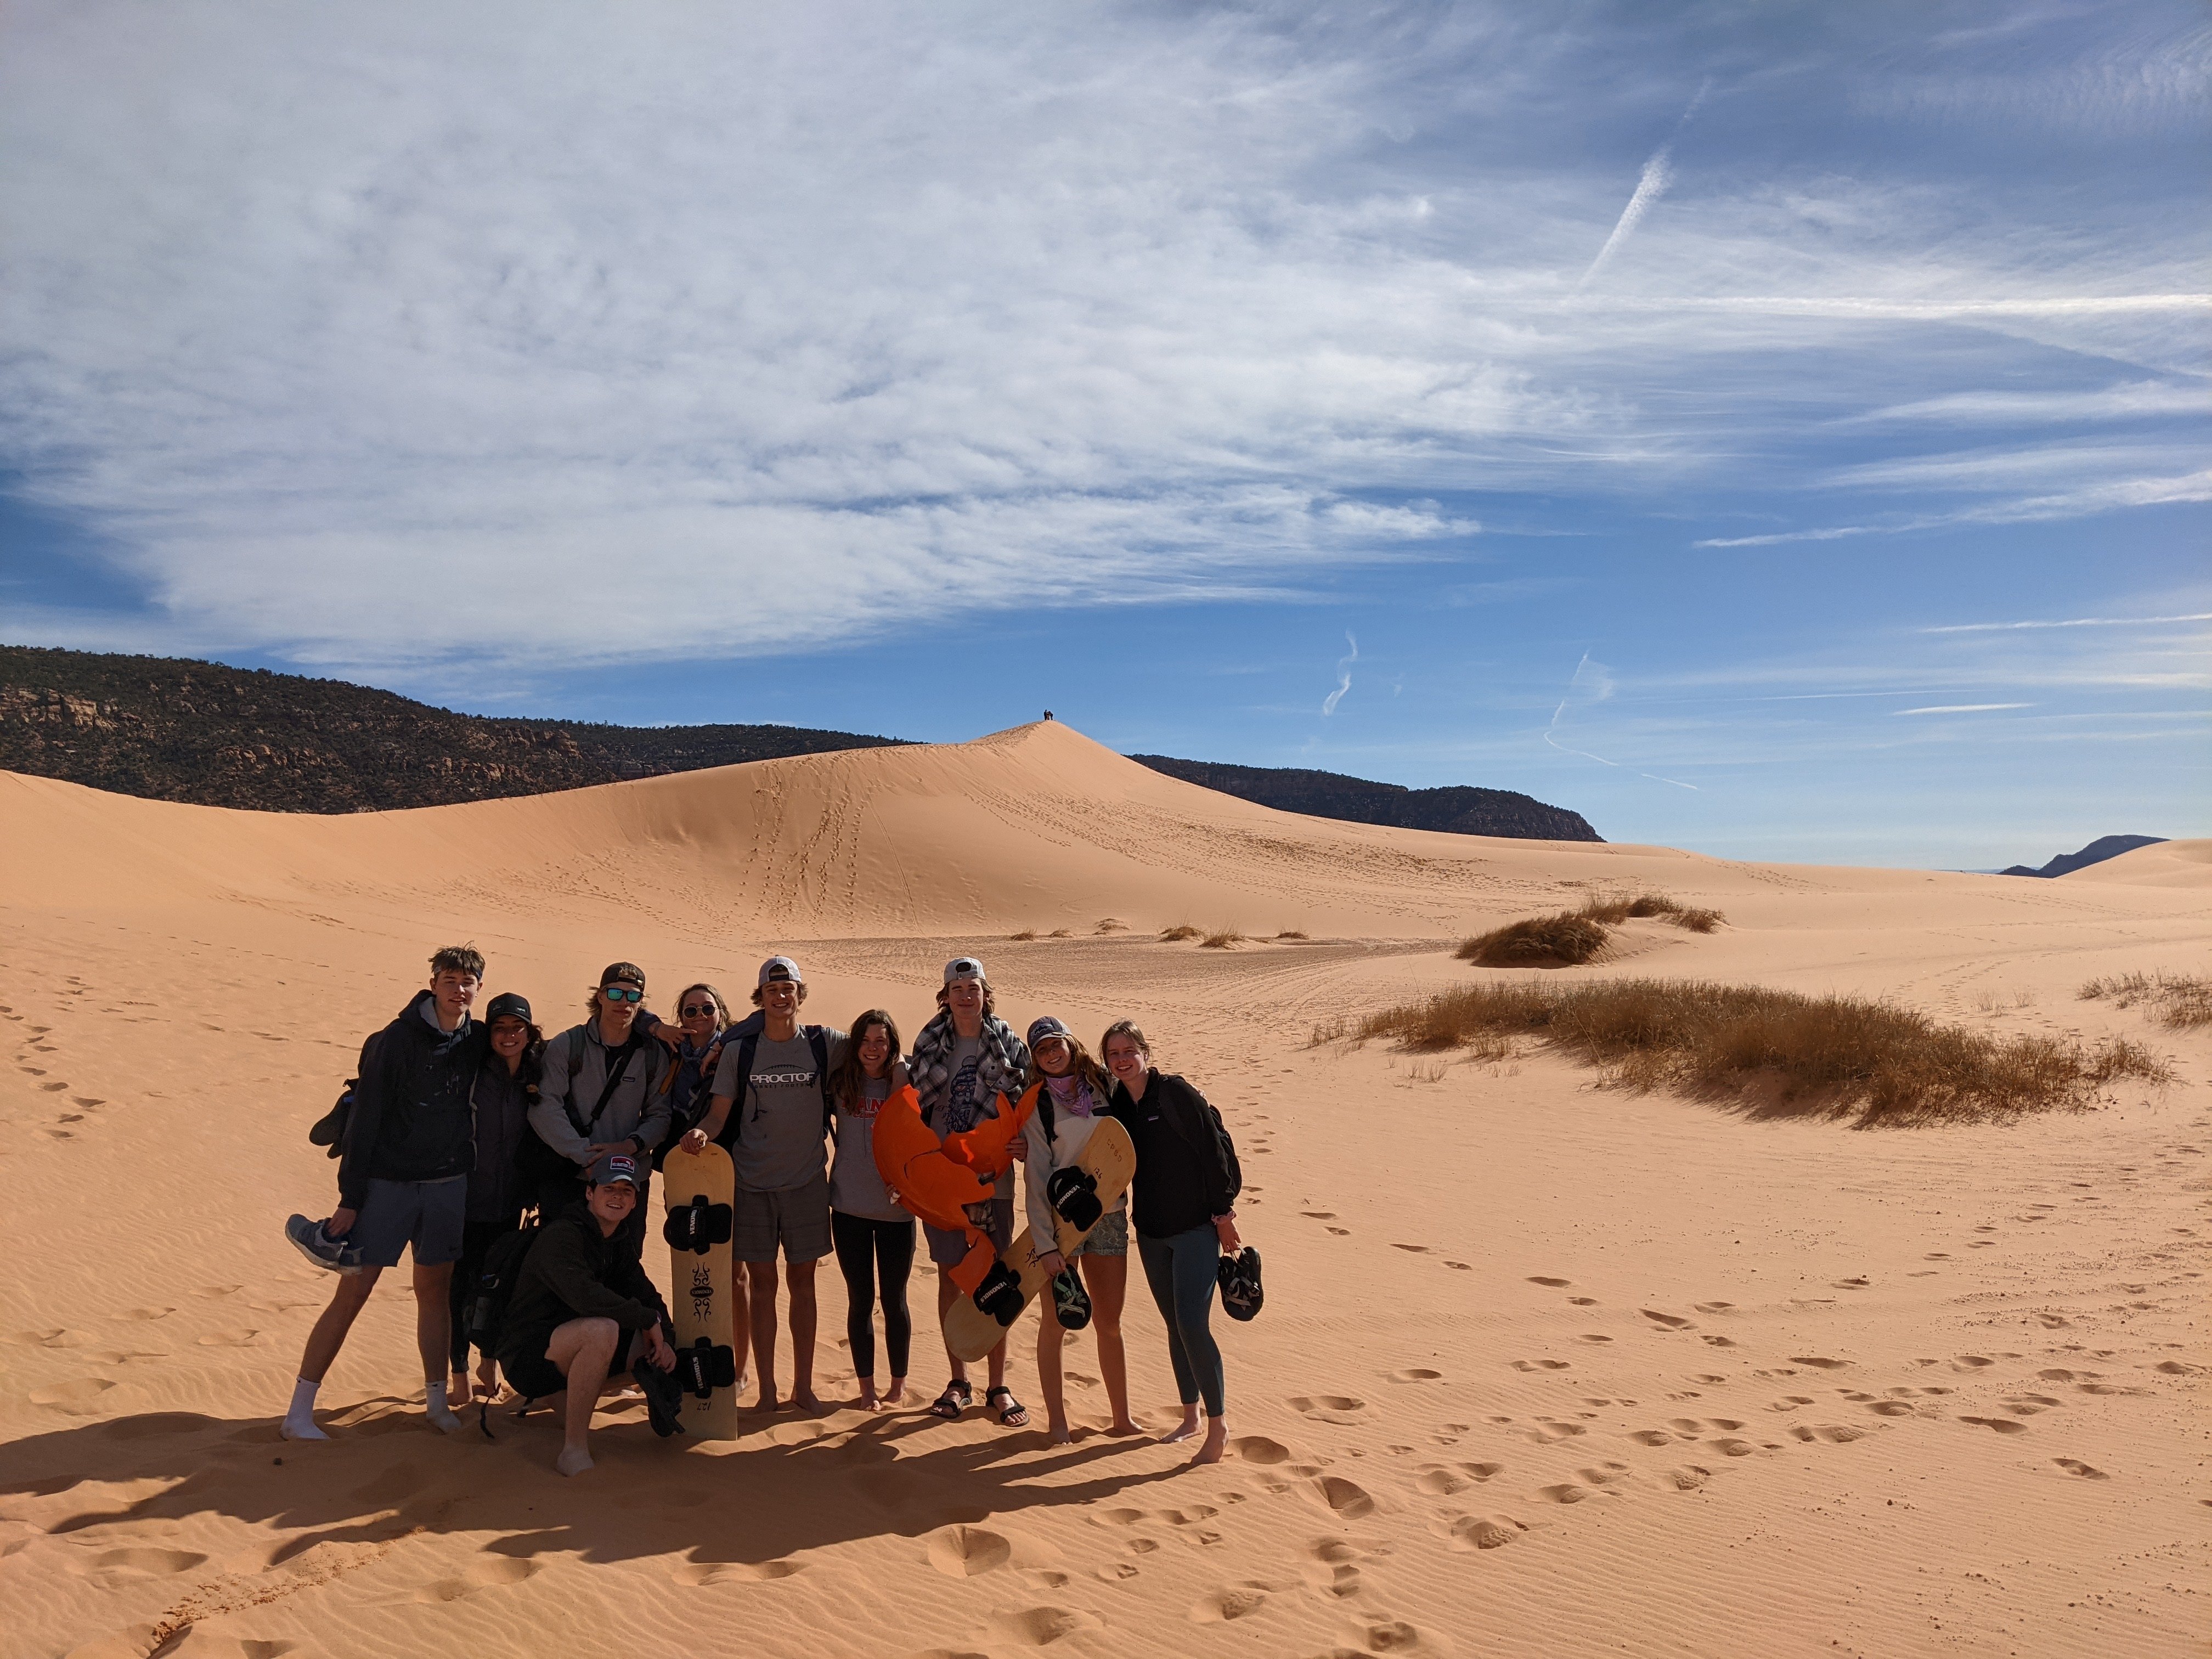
x,y
1545,1368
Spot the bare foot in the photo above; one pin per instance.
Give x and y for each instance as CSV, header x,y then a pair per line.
x,y
488,1380
766,1402
869,1399
1216,1443
1057,1430
805,1401
573,1460
1186,1429
458,1393
896,1394
1122,1428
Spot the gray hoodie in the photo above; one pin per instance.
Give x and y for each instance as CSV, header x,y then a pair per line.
x,y
576,1065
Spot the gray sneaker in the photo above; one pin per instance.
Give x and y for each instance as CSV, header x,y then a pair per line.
x,y
339,1255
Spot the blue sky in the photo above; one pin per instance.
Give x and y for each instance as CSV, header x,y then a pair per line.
x,y
1776,430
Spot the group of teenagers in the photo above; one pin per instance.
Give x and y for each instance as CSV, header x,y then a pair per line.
x,y
462,1128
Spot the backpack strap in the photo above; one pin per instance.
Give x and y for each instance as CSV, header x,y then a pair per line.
x,y
817,1039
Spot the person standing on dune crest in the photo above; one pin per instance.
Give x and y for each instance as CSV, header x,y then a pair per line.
x,y
403,1181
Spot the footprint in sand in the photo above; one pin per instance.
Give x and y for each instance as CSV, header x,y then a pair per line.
x,y
1688,1478
1555,1284
1416,1374
1037,1627
1329,1407
1851,1284
2002,1425
1971,1362
78,1395
1258,1448
1715,1307
1341,1232
1541,1365
1417,1250
1485,1531
1318,1215
1671,1321
2027,1404
1835,1434
1718,1341
1464,1267
1331,1566
1582,1301
2076,1465
1444,1479
968,1551
1790,1402
1566,1493
1650,1437
1550,1430
234,1339
701,1574
2052,1322
116,1567
1231,1601
1818,1362
1347,1498
1594,1337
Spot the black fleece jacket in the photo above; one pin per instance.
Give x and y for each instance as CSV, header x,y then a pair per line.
x,y
575,1272
410,1119
1183,1180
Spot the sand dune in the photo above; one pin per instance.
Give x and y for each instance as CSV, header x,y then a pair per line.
x,y
1545,1369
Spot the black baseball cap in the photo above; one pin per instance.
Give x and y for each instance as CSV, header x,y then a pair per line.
x,y
624,972
615,1166
509,1004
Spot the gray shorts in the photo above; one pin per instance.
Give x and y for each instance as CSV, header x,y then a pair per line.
x,y
797,1221
1109,1237
949,1249
427,1215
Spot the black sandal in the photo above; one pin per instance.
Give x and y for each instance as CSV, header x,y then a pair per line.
x,y
956,1398
1011,1415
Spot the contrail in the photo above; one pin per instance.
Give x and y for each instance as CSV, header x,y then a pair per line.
x,y
1658,174
1584,753
1343,676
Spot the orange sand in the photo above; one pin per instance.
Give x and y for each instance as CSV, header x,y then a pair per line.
x,y
1545,1370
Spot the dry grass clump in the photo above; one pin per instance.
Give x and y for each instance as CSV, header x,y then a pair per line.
x,y
1111,925
1180,931
1569,937
2180,1001
1026,934
1222,940
1774,1052
1292,933
1061,933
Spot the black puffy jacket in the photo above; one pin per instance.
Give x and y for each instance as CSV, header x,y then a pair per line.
x,y
411,1120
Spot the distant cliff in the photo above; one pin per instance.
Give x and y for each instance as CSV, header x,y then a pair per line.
x,y
174,730
2105,847
1460,809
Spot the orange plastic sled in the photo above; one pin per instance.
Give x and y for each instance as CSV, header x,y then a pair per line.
x,y
938,1176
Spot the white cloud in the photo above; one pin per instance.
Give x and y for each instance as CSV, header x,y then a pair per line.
x,y
1962,708
553,335
1343,675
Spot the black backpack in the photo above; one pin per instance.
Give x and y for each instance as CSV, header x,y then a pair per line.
x,y
1209,1121
330,1129
486,1311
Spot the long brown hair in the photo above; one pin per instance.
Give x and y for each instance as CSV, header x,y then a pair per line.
x,y
1081,1066
847,1076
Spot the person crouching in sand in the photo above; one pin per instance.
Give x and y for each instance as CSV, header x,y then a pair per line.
x,y
1184,1211
583,1309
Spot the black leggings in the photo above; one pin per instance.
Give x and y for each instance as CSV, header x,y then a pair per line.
x,y
867,1251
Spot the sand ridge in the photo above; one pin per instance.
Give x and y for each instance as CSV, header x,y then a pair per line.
x,y
1545,1368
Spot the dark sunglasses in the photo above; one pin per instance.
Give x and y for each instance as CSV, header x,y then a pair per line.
x,y
697,1010
622,993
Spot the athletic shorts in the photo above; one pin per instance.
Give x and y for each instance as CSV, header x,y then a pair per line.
x,y
429,1216
534,1376
796,1221
949,1249
1109,1237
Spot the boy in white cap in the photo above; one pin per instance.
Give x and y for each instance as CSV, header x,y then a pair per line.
x,y
779,1142
963,1059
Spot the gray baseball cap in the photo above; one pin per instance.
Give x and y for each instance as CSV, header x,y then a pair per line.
x,y
782,968
962,968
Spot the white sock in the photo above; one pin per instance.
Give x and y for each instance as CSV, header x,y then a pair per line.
x,y
440,1414
299,1419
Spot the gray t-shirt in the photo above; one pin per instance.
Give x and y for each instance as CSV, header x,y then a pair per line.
x,y
968,1103
774,1134
856,1185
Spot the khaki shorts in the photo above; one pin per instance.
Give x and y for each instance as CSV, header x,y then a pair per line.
x,y
796,1222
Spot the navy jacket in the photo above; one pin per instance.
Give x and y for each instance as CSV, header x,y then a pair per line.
x,y
410,1119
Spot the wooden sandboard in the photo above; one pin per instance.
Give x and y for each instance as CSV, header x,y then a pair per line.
x,y
700,1282
1111,1158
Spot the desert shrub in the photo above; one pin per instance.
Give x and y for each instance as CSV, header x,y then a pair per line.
x,y
1026,933
1061,933
1569,937
1222,940
1561,941
1110,925
1292,933
2180,1001
1180,931
1773,1050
